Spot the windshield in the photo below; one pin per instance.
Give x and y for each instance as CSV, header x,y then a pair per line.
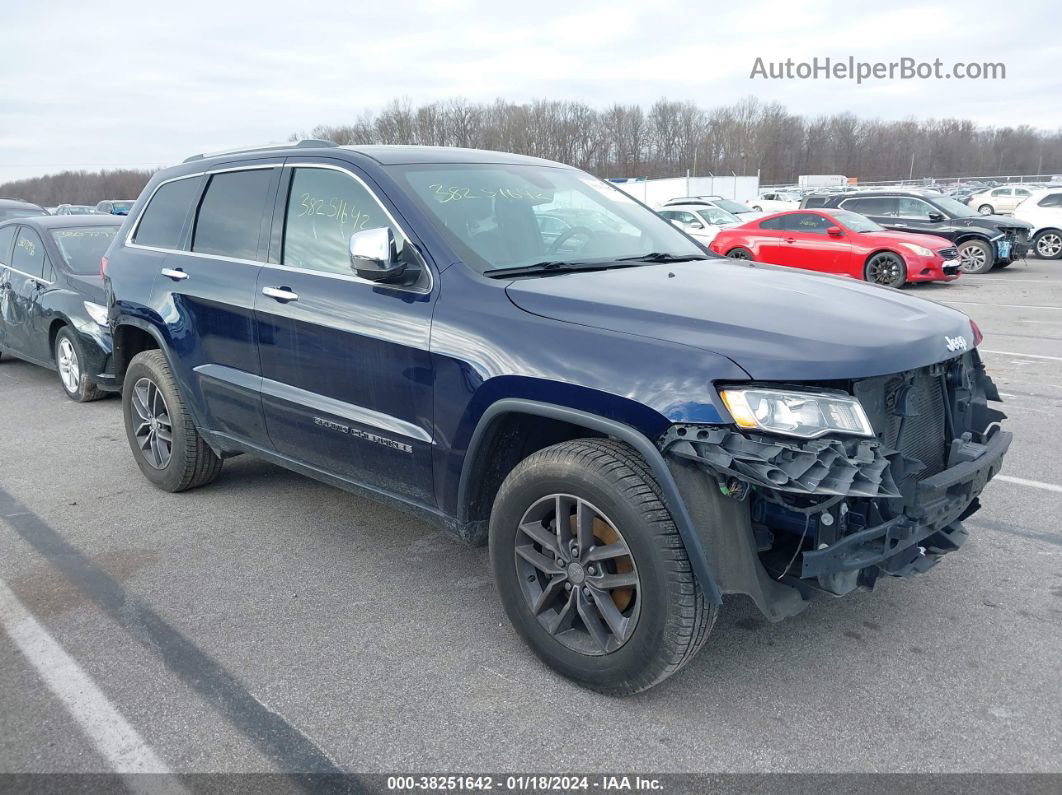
x,y
732,207
121,208
855,221
76,210
717,217
83,247
509,216
958,209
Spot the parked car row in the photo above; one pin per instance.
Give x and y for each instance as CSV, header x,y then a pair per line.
x,y
16,208
983,241
522,354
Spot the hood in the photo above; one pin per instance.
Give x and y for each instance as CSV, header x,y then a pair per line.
x,y
778,324
932,242
993,222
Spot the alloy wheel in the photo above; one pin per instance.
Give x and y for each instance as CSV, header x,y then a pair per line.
x,y
972,258
1049,246
577,574
738,253
154,430
885,269
69,368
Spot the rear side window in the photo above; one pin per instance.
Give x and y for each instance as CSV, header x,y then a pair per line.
x,y
29,253
231,212
1053,200
7,237
326,207
163,221
876,205
816,201
773,223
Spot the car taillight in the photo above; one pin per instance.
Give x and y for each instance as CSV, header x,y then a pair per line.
x,y
103,266
978,336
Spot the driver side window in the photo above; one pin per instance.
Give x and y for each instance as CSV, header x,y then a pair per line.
x,y
325,207
914,208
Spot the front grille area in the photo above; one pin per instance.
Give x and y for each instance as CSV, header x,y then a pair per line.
x,y
949,253
916,426
1016,234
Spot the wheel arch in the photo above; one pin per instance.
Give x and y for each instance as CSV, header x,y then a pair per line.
x,y
59,322
480,480
131,336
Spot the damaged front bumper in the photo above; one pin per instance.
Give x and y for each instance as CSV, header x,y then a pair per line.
x,y
781,516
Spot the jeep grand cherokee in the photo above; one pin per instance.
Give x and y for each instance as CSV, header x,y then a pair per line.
x,y
635,426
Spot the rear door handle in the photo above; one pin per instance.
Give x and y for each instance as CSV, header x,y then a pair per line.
x,y
282,294
175,274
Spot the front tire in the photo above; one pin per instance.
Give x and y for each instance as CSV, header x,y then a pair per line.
x,y
887,269
165,443
1048,244
70,363
976,256
606,596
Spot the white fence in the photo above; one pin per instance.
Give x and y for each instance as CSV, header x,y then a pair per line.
x,y
658,191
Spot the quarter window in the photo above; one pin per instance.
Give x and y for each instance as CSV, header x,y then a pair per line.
x,y
326,207
230,215
163,221
774,223
29,256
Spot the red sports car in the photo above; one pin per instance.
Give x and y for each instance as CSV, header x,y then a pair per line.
x,y
842,242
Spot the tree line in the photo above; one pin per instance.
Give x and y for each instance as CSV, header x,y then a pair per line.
x,y
666,140
672,137
78,187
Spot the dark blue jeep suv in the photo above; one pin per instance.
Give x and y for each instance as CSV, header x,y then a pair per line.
x,y
636,426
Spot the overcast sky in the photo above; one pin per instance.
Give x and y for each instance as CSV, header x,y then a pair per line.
x,y
101,84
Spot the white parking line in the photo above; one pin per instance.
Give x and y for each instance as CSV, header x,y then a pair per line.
x,y
1024,355
112,735
1036,484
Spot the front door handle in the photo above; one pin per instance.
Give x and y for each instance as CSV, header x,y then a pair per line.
x,y
175,274
282,294
790,240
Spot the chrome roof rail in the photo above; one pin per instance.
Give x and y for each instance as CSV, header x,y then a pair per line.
x,y
305,143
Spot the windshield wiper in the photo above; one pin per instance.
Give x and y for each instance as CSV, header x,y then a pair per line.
x,y
662,256
552,266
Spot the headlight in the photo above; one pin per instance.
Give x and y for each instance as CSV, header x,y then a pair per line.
x,y
920,250
802,414
96,312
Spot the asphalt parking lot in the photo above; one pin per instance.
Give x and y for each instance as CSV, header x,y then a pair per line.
x,y
268,622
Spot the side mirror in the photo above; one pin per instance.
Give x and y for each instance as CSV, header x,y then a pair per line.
x,y
374,255
934,216
835,231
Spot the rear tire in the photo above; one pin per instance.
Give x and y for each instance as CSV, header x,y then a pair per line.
x,y
976,256
70,363
659,616
165,443
1048,244
739,253
986,209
